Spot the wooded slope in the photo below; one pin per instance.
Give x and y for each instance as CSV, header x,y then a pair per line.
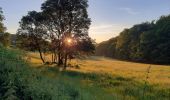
x,y
147,42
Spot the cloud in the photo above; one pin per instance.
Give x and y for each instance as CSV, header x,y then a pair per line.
x,y
129,10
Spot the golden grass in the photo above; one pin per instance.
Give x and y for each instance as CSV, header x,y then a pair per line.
x,y
35,58
159,74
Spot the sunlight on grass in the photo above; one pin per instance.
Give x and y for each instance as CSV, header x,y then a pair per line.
x,y
93,78
159,74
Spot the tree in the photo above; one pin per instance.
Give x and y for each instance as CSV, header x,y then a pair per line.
x,y
155,43
4,36
5,39
107,48
62,25
2,28
66,19
31,34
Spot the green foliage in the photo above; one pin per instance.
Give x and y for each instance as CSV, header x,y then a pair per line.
x,y
107,48
4,36
50,29
19,81
146,42
5,39
2,28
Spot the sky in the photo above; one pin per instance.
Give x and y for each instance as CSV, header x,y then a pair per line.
x,y
109,17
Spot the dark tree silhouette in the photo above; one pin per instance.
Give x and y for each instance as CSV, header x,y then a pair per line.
x,y
32,33
2,28
66,19
64,24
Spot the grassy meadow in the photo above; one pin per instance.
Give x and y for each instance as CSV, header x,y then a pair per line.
x,y
99,78
158,74
23,77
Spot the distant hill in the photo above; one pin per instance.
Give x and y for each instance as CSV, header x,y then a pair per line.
x,y
146,42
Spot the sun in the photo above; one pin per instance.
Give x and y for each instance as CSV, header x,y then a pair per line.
x,y
69,41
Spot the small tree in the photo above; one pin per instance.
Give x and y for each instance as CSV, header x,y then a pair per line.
x,y
5,39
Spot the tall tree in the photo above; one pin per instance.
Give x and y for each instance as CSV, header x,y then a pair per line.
x,y
67,19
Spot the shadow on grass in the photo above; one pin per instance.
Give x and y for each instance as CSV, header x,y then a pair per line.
x,y
102,80
93,58
122,87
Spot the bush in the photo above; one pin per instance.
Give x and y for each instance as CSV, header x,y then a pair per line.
x,y
19,81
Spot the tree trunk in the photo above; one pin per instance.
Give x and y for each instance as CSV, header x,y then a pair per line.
x,y
41,55
60,60
39,50
55,58
52,58
65,61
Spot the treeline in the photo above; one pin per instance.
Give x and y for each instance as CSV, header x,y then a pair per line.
x,y
147,42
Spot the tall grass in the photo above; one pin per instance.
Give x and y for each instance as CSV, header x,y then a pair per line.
x,y
19,81
108,87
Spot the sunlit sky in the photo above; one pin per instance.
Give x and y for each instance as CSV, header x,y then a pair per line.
x,y
109,17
